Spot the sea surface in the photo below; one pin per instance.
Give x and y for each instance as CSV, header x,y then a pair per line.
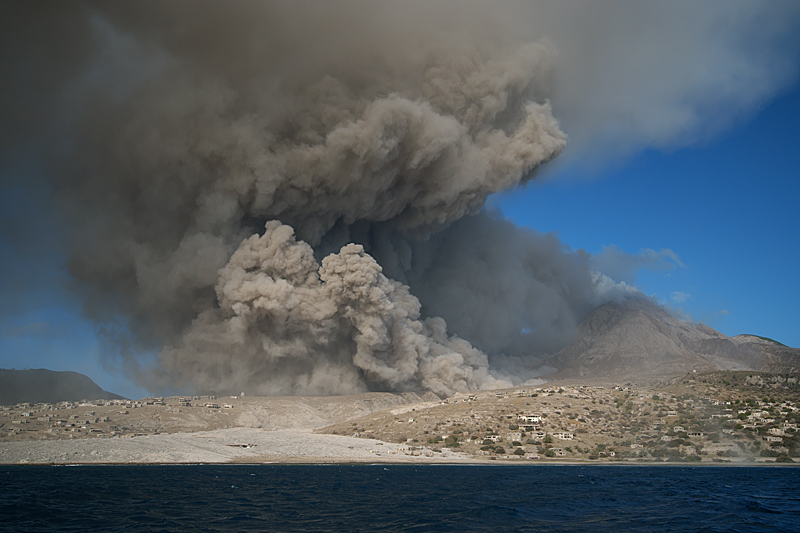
x,y
438,498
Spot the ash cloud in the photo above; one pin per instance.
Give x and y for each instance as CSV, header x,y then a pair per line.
x,y
238,132
287,198
330,328
636,75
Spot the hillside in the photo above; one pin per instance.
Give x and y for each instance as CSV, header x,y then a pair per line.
x,y
777,357
638,340
48,386
739,417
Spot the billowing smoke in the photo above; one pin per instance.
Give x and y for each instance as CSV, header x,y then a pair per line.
x,y
213,180
330,328
288,198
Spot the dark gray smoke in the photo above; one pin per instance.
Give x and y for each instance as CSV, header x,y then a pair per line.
x,y
287,198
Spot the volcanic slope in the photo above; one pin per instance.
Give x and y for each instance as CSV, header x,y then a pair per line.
x,y
638,340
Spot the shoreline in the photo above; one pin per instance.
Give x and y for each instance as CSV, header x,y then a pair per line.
x,y
425,463
693,424
249,446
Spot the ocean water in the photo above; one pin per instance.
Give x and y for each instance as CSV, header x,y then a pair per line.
x,y
398,498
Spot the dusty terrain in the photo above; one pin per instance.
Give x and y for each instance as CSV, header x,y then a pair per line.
x,y
200,430
723,417
246,445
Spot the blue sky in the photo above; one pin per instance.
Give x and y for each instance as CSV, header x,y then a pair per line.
x,y
727,208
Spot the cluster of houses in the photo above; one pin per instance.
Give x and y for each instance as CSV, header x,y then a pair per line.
x,y
95,418
62,417
594,422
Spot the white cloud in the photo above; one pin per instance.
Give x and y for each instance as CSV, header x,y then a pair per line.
x,y
680,297
608,290
624,267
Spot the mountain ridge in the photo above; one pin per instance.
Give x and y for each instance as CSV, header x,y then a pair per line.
x,y
48,386
637,339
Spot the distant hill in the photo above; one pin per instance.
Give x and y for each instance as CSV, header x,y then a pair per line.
x,y
777,357
48,386
757,339
637,339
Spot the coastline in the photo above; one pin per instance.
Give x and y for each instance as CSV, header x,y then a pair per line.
x,y
687,424
221,446
249,446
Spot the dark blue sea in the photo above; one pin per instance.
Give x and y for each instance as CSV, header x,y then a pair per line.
x,y
398,498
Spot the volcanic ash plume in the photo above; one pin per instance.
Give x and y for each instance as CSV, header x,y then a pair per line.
x,y
217,157
325,329
282,197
